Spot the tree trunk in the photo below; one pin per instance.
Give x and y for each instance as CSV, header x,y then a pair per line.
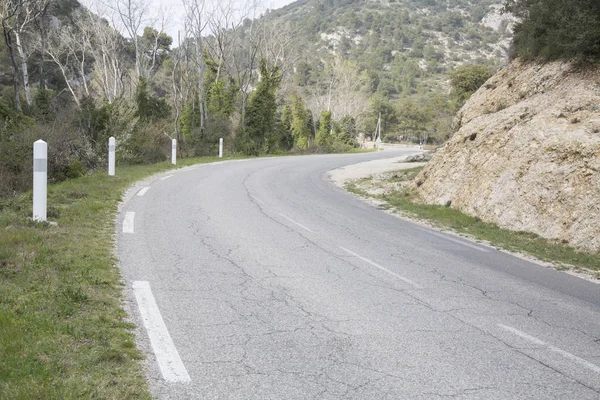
x,y
43,39
9,44
64,74
201,100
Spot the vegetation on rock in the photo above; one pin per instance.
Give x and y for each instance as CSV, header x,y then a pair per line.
x,y
556,29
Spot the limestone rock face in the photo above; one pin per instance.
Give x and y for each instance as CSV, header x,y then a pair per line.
x,y
526,154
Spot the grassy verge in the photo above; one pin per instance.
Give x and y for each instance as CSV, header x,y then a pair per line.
x,y
63,331
560,255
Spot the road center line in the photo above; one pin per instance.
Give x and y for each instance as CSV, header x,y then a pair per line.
x,y
406,280
143,191
168,359
166,177
128,222
297,223
562,352
459,241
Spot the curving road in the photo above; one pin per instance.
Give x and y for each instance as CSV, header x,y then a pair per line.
x,y
261,280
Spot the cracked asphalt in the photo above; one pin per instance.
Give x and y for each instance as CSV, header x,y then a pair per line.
x,y
247,263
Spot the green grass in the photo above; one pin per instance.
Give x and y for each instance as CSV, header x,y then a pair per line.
x,y
560,255
63,331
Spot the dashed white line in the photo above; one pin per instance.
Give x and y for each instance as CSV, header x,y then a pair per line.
x,y
166,177
562,352
406,280
168,359
143,191
128,222
297,223
459,241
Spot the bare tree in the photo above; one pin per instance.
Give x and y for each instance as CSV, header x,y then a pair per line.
x,y
153,37
107,46
132,14
224,22
248,40
277,38
69,48
197,20
29,12
41,25
181,80
9,11
340,91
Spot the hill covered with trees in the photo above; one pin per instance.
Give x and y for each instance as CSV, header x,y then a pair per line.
x,y
391,57
312,76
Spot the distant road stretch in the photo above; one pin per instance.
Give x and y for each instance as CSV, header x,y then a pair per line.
x,y
259,279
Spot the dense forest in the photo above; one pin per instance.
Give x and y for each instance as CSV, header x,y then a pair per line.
x,y
313,76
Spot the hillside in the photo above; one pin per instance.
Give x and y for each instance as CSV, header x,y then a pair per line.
x,y
313,76
437,34
526,155
401,50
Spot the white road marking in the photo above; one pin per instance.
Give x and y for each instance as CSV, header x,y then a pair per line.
x,y
168,359
406,280
143,191
562,352
297,223
166,177
128,222
459,241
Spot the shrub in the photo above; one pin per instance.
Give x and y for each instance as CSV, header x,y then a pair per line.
x,y
556,29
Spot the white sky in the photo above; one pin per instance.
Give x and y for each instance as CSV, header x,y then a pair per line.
x,y
174,11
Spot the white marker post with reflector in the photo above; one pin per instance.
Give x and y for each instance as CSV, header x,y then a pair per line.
x,y
111,156
174,152
40,180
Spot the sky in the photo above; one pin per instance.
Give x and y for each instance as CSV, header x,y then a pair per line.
x,y
174,12
176,6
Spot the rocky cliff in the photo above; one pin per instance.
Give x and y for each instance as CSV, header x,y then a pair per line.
x,y
526,154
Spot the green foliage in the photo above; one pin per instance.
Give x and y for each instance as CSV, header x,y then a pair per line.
x,y
466,79
42,109
346,131
221,98
557,29
259,133
299,122
150,108
11,121
323,137
380,104
151,36
147,145
189,121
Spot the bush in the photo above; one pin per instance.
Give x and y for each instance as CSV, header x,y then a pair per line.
x,y
466,79
146,145
556,29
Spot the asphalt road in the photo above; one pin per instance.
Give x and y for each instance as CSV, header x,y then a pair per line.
x,y
274,284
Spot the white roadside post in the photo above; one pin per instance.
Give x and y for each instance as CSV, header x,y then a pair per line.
x,y
174,152
221,148
111,156
40,180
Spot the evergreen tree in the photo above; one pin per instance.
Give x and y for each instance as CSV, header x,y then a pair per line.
x,y
261,112
300,122
556,29
150,108
323,138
